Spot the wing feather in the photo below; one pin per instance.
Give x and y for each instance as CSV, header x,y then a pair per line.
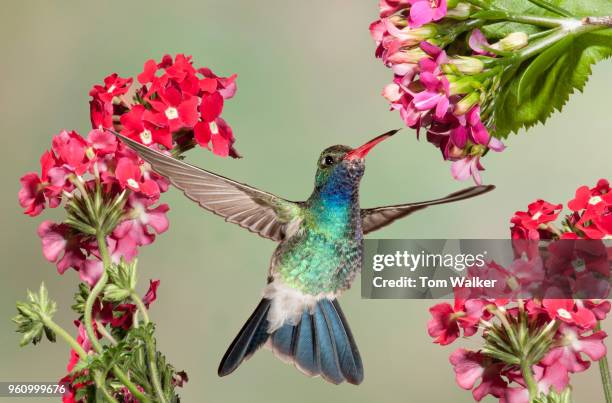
x,y
257,211
378,217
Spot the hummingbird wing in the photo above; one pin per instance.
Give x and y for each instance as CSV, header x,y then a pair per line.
x,y
258,211
378,217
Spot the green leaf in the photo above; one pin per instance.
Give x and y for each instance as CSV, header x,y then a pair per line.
x,y
80,297
32,316
122,281
538,68
544,84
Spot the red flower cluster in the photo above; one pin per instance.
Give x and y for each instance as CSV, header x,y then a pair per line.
x,y
75,162
110,196
591,216
176,105
430,89
566,338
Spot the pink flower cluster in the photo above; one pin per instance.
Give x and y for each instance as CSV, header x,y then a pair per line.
x,y
75,161
576,339
430,89
574,342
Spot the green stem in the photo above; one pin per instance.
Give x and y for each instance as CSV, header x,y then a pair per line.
x,y
549,22
521,18
99,379
91,299
604,371
67,338
151,355
532,385
102,329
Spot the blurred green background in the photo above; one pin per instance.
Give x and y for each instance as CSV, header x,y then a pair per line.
x,y
307,79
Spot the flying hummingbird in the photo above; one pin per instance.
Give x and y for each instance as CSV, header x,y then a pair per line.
x,y
319,253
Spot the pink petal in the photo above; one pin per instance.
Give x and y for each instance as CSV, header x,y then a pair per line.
x,y
430,80
425,100
467,368
461,169
53,242
440,11
442,107
91,271
157,218
476,42
420,13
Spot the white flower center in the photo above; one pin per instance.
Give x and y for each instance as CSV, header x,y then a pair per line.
x,y
133,183
146,137
214,129
564,313
609,236
594,200
171,113
140,213
536,215
111,88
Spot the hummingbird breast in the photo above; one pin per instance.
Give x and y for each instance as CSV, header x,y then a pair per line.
x,y
324,255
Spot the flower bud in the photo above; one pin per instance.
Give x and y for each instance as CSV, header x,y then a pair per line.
x,y
460,12
466,103
464,85
513,41
392,92
466,65
407,56
398,21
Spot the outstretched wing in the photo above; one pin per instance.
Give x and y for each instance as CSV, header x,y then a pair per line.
x,y
253,209
378,217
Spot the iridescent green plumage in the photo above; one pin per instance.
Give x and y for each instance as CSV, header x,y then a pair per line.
x,y
324,254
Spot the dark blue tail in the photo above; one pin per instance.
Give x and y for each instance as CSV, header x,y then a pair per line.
x,y
320,344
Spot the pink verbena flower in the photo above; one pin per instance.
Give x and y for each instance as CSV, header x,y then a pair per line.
x,y
424,11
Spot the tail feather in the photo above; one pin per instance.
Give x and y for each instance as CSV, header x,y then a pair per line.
x,y
328,355
252,336
284,341
346,349
306,356
321,343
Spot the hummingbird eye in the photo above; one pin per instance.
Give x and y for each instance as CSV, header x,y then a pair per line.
x,y
328,160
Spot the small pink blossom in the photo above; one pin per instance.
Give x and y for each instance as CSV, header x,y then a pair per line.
x,y
425,11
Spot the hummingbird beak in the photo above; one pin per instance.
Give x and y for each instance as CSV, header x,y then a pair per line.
x,y
362,151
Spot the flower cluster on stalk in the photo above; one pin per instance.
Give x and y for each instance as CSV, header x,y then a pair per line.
x,y
112,203
441,85
531,346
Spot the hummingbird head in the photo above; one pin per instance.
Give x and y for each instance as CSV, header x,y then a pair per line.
x,y
340,168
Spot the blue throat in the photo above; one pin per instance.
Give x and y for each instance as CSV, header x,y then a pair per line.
x,y
332,206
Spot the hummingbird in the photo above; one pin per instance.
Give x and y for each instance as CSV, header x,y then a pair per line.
x,y
319,253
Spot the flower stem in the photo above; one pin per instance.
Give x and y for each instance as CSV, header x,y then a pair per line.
x,y
151,355
102,330
91,299
604,371
532,385
67,338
